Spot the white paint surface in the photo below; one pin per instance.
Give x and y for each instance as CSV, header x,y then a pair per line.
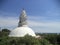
x,y
21,32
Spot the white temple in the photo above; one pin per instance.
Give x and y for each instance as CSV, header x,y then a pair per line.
x,y
22,28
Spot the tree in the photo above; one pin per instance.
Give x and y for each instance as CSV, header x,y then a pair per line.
x,y
4,32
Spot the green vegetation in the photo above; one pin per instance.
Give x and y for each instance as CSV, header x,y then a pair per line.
x,y
53,38
47,39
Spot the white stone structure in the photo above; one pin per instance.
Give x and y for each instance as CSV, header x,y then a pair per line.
x,y
22,28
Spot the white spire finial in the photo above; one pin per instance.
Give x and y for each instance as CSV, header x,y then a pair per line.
x,y
22,19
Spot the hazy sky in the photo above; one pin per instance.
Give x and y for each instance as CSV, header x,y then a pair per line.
x,y
43,15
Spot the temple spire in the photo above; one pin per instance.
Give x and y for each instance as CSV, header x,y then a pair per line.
x,y
22,19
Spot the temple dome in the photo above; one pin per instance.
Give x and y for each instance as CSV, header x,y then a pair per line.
x,y
22,28
21,32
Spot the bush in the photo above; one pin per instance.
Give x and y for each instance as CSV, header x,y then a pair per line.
x,y
27,40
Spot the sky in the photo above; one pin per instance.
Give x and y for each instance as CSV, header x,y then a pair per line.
x,y
43,15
